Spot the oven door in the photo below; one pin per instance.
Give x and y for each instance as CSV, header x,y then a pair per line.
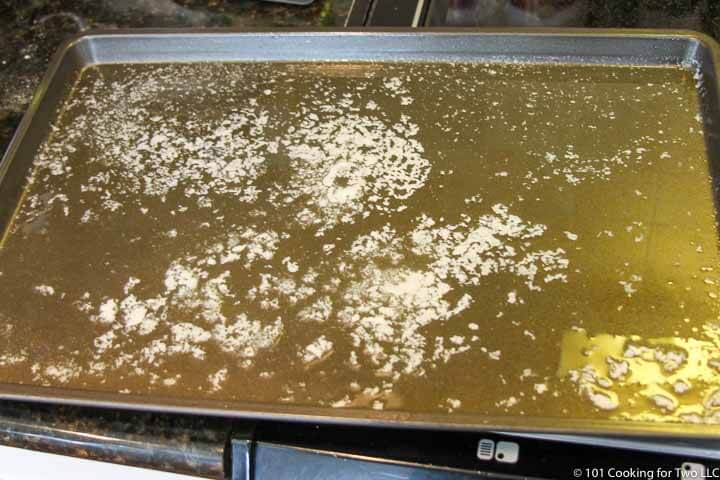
x,y
273,450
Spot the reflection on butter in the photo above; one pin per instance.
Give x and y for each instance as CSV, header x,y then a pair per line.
x,y
653,379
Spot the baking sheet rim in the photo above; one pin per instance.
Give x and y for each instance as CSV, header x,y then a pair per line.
x,y
360,417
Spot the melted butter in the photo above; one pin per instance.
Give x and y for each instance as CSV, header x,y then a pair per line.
x,y
674,376
485,239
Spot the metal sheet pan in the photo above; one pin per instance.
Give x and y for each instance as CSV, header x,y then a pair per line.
x,y
539,47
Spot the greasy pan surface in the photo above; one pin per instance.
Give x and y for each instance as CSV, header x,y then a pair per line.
x,y
468,229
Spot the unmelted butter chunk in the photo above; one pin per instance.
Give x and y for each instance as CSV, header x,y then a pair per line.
x,y
415,237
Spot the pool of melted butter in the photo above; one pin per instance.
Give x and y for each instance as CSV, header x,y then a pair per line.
x,y
504,240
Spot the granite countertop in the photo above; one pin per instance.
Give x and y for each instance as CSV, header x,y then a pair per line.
x,y
175,443
30,31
